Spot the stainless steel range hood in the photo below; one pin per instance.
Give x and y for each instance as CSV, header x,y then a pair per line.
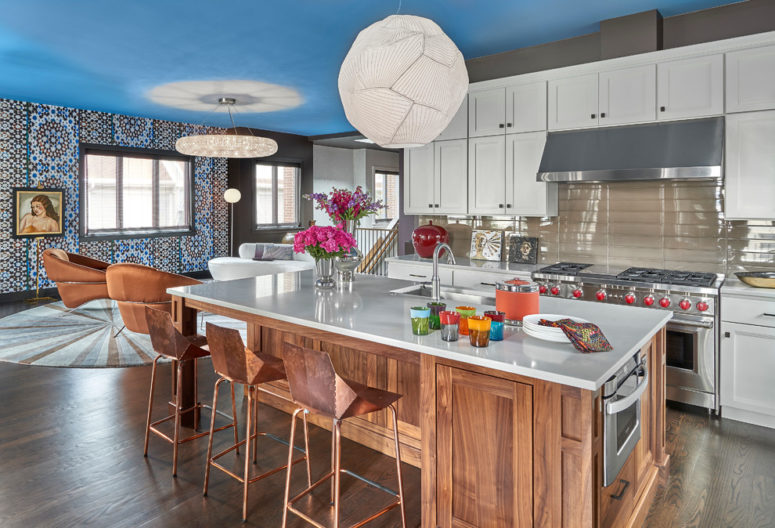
x,y
676,150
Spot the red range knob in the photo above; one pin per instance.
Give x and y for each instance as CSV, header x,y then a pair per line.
x,y
555,290
577,293
664,302
600,295
542,289
648,300
685,304
702,306
629,298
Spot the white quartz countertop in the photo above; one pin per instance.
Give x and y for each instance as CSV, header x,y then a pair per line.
x,y
734,286
370,312
466,263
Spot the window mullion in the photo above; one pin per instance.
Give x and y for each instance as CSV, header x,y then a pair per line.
x,y
119,192
274,195
155,194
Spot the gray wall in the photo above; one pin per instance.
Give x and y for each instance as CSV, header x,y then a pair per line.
x,y
632,34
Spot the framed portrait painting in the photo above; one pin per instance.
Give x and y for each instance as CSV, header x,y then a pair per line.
x,y
523,250
38,212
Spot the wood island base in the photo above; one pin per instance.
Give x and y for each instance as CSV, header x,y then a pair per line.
x,y
495,449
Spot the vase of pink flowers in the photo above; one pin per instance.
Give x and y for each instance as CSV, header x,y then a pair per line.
x,y
345,208
323,244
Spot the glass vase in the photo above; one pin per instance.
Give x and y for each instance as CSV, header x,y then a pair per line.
x,y
324,271
346,265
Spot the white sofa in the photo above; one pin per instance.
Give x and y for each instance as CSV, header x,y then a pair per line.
x,y
230,268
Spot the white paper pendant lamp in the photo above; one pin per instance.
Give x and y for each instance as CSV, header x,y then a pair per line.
x,y
402,81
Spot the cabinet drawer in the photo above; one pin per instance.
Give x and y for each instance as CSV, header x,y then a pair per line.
x,y
482,280
418,273
747,310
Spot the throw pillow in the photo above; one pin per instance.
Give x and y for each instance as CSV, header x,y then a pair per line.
x,y
278,253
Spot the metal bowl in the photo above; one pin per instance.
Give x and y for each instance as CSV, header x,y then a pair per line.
x,y
758,279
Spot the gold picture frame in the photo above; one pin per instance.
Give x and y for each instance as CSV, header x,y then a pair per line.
x,y
38,212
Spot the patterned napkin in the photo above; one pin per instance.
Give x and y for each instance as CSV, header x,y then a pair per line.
x,y
586,337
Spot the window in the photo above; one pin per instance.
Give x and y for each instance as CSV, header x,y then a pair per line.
x,y
386,189
277,195
129,193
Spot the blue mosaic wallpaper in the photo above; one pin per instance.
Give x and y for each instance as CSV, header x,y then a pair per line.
x,y
39,145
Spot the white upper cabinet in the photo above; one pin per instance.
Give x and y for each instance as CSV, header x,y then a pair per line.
x,y
628,96
573,102
524,195
526,107
690,88
751,79
450,176
487,112
750,166
458,127
419,180
487,175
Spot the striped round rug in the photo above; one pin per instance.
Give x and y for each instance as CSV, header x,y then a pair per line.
x,y
51,335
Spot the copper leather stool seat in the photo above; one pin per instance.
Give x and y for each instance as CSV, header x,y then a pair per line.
x,y
79,279
169,343
235,363
317,388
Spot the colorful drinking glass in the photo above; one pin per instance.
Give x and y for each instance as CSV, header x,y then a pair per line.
x,y
420,317
496,328
449,325
465,312
436,308
479,330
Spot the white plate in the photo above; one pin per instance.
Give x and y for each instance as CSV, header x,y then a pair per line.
x,y
547,337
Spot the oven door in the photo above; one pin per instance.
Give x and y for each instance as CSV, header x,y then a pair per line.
x,y
621,424
690,351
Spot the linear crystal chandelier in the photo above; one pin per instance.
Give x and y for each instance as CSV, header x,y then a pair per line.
x,y
230,145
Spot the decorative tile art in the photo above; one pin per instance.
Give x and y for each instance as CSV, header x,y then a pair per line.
x,y
39,145
486,245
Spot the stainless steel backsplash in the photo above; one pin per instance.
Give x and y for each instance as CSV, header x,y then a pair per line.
x,y
671,224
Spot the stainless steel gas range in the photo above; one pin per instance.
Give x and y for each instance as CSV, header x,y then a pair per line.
x,y
692,334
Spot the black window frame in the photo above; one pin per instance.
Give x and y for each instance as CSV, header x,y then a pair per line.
x,y
276,226
128,152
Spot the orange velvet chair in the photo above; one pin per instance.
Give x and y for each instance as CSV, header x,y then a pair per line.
x,y
135,286
79,279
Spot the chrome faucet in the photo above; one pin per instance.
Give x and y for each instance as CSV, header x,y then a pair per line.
x,y
435,281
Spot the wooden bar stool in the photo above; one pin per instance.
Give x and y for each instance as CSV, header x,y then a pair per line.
x,y
170,344
235,363
316,387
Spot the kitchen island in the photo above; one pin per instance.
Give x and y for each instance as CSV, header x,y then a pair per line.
x,y
508,435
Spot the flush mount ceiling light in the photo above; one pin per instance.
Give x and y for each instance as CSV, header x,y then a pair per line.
x,y
253,96
229,145
402,81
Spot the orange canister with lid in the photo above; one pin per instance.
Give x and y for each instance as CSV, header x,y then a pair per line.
x,y
517,298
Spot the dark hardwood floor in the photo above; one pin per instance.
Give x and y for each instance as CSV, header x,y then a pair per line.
x,y
71,445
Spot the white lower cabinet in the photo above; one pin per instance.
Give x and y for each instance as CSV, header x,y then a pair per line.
x,y
471,279
747,365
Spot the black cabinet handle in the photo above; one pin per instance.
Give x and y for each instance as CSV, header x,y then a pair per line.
x,y
508,125
430,205
593,116
508,206
415,275
619,495
602,115
437,205
500,206
501,125
727,334
661,108
487,283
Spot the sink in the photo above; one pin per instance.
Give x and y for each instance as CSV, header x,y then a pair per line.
x,y
447,293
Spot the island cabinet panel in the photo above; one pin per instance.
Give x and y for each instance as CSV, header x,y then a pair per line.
x,y
485,442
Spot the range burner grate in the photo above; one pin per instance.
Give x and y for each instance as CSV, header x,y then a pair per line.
x,y
565,268
681,278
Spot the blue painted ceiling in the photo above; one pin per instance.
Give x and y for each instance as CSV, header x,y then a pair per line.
x,y
106,54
